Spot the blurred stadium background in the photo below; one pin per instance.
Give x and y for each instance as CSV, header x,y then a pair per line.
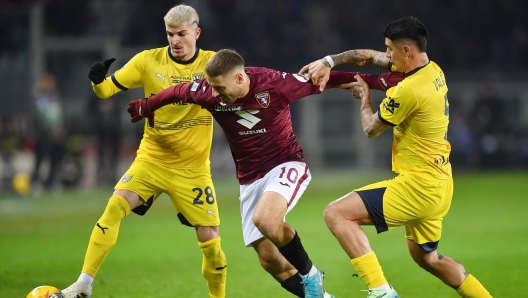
x,y
481,46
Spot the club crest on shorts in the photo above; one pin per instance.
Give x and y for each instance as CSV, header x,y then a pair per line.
x,y
263,99
126,178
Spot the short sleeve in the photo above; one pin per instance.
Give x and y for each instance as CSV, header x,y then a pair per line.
x,y
130,75
398,105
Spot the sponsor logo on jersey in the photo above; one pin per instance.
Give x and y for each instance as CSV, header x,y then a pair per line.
x,y
224,108
197,76
391,105
180,79
383,82
161,77
248,119
300,77
252,132
263,98
126,178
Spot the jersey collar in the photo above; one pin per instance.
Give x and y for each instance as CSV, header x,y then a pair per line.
x,y
410,73
183,62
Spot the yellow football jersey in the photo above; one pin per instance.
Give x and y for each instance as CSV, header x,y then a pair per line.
x,y
419,110
182,135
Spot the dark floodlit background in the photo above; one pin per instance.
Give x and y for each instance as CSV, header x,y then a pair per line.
x,y
481,46
47,47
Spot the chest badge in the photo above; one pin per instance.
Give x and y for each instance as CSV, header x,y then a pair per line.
x,y
263,98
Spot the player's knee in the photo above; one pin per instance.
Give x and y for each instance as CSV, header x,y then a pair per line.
x,y
205,234
265,226
330,215
424,261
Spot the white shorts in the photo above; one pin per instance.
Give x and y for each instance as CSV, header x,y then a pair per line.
x,y
289,179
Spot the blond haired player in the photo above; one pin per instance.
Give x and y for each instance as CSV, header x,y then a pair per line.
x,y
420,196
173,156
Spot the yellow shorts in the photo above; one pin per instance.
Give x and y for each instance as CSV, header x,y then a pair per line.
x,y
191,190
418,202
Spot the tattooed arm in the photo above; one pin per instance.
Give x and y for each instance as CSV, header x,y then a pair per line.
x,y
361,58
319,71
372,125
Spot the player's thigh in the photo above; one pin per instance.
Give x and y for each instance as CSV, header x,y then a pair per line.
x,y
142,179
288,180
270,209
389,203
436,195
282,188
194,197
349,207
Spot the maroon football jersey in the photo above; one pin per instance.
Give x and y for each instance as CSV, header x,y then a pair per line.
x,y
258,126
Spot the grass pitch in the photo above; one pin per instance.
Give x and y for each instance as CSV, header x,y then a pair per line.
x,y
43,241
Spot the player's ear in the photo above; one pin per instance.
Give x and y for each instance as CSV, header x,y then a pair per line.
x,y
198,31
239,77
406,50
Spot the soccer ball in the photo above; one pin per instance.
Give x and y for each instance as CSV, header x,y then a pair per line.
x,y
45,292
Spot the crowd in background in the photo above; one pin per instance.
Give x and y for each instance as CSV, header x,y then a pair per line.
x,y
473,41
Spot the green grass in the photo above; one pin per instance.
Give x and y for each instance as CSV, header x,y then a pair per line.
x,y
43,241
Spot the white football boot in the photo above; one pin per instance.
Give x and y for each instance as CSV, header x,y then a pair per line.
x,y
77,290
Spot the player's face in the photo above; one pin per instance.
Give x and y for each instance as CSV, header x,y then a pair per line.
x,y
228,88
182,40
395,52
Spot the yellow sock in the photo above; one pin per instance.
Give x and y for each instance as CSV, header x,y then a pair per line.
x,y
369,269
104,234
214,267
472,288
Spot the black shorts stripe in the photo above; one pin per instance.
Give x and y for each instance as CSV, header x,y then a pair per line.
x,y
373,200
117,83
429,246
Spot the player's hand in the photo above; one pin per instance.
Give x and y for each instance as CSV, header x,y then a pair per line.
x,y
359,88
139,109
318,72
98,70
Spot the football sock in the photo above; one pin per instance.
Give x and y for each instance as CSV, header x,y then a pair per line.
x,y
214,267
472,288
385,287
369,269
86,279
293,285
104,234
295,254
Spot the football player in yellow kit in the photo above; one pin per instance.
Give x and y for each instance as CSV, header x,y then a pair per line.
x,y
420,196
173,156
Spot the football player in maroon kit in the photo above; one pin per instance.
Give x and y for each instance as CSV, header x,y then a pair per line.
x,y
252,105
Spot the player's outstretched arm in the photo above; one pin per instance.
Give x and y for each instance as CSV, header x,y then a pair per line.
x,y
319,71
361,58
139,109
98,70
372,125
144,108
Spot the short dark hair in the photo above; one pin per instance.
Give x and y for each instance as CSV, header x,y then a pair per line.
x,y
223,62
407,28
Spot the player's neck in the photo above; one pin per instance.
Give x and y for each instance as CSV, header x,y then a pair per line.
x,y
246,85
419,60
